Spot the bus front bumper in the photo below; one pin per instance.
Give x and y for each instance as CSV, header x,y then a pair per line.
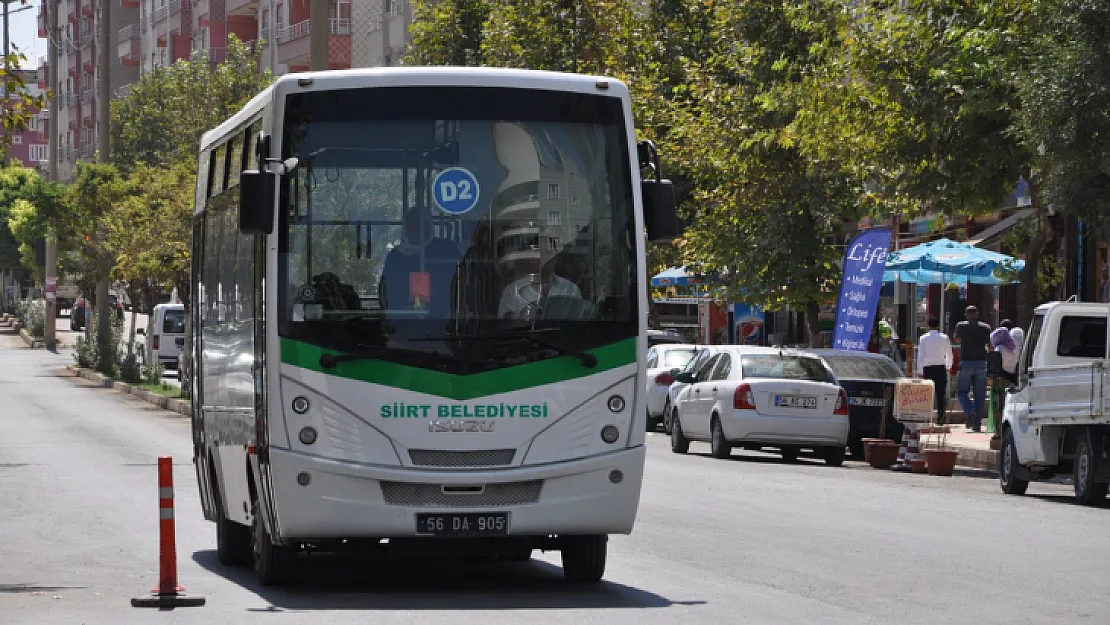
x,y
345,500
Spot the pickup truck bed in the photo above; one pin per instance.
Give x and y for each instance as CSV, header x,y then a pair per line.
x,y
1071,394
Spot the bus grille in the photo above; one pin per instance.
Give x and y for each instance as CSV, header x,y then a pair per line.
x,y
433,496
446,458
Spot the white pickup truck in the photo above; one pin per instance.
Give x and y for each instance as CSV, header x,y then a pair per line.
x,y
1056,419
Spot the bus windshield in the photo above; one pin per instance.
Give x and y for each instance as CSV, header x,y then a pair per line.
x,y
440,226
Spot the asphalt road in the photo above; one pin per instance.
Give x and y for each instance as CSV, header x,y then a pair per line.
x,y
747,540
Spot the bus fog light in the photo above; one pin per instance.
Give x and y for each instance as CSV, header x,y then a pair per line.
x,y
616,403
300,405
615,476
308,436
303,479
610,434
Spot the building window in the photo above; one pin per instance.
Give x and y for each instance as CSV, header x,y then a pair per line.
x,y
554,242
17,140
554,218
574,201
38,152
394,8
552,191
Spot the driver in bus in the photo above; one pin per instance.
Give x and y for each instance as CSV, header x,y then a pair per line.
x,y
418,272
524,296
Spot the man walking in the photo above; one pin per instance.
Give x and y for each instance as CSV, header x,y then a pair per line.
x,y
934,361
974,338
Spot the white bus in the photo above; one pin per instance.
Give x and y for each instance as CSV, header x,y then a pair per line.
x,y
420,313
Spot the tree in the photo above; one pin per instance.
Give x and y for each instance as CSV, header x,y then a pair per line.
x,y
448,33
28,202
161,118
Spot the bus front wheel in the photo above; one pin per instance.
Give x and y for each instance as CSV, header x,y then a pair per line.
x,y
584,558
272,564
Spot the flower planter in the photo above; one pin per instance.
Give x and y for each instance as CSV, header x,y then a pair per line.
x,y
941,461
882,454
918,465
866,442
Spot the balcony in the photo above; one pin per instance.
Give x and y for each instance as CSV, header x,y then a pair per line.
x,y
162,13
42,21
129,47
242,7
87,152
88,9
294,41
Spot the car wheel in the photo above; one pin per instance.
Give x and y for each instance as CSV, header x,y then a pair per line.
x,y
679,443
1087,491
667,417
719,447
834,456
1007,466
789,454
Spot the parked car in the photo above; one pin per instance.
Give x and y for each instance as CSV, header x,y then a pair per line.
x,y
757,397
660,337
165,335
661,359
77,315
869,380
704,353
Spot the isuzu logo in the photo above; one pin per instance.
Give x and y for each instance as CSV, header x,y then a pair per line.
x,y
461,425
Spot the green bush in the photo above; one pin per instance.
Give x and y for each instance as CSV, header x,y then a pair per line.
x,y
32,316
153,373
130,370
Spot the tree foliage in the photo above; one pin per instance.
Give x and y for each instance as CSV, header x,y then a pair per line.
x,y
161,118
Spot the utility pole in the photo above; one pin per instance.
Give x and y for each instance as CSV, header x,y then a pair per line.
x,y
7,79
104,285
53,40
320,23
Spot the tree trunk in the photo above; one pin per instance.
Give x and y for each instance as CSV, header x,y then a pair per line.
x,y
813,323
104,327
1034,251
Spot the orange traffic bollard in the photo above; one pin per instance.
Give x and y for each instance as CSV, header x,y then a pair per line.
x,y
168,593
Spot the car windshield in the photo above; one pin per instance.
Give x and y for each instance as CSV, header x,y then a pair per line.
x,y
847,367
677,358
420,214
174,322
783,367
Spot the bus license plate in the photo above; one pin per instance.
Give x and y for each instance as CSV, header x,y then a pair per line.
x,y
463,525
795,401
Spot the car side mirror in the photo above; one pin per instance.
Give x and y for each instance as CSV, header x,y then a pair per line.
x,y
256,201
675,371
685,378
994,363
657,194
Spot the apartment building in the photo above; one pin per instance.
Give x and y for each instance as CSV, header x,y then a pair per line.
x,y
79,72
30,146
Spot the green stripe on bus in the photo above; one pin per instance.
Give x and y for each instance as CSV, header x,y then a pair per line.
x,y
460,387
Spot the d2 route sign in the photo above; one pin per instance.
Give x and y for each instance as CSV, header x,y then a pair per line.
x,y
455,190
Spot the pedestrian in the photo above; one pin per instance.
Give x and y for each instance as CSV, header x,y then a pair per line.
x,y
934,361
1002,340
974,339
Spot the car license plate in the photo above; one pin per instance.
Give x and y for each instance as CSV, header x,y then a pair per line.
x,y
795,401
867,401
463,525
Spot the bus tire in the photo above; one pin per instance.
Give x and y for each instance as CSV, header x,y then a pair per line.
x,y
272,564
1087,491
233,540
584,558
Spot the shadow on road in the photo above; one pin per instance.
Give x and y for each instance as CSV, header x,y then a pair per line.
x,y
325,582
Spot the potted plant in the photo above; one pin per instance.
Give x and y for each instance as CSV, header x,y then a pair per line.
x,y
867,442
941,461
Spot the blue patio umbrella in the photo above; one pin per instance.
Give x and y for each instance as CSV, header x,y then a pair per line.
x,y
944,260
680,276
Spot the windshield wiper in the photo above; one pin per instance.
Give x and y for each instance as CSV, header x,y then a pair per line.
x,y
536,336
329,361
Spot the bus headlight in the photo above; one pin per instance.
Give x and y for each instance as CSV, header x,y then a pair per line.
x,y
616,403
308,435
300,405
610,434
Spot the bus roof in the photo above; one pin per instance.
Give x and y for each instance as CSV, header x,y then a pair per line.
x,y
414,76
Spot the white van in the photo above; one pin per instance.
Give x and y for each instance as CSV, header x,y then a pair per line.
x,y
165,334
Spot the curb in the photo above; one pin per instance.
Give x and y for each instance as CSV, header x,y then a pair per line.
x,y
180,406
31,342
984,459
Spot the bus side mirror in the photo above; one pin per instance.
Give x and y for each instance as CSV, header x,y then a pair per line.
x,y
660,216
256,201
